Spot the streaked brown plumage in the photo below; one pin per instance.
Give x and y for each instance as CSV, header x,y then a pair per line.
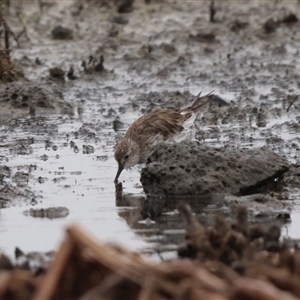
x,y
152,128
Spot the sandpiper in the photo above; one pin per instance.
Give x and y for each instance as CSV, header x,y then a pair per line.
x,y
153,128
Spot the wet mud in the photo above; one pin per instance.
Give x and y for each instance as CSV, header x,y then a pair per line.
x,y
189,168
109,63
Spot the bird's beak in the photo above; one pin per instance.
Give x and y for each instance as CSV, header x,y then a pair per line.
x,y
120,169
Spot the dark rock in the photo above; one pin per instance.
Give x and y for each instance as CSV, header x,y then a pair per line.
x,y
192,168
61,33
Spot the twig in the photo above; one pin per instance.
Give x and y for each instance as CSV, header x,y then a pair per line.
x,y
47,291
7,32
292,103
6,38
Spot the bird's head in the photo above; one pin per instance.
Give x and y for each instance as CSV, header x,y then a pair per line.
x,y
127,154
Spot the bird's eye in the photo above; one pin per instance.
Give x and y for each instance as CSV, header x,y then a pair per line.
x,y
126,157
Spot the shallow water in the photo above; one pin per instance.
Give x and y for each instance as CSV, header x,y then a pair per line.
x,y
83,183
78,181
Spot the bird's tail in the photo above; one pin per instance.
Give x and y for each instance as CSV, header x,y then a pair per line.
x,y
196,104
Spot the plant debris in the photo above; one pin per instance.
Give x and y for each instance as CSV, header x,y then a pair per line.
x,y
230,260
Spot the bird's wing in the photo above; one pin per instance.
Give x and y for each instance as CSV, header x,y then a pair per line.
x,y
164,122
197,103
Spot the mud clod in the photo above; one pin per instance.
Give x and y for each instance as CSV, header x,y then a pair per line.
x,y
192,168
238,25
42,97
124,6
118,20
70,74
94,64
290,18
203,37
57,74
270,26
61,33
49,213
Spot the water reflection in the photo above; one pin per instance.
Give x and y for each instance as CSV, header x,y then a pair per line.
x,y
157,220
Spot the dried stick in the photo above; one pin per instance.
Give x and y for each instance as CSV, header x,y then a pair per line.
x,y
287,110
52,277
